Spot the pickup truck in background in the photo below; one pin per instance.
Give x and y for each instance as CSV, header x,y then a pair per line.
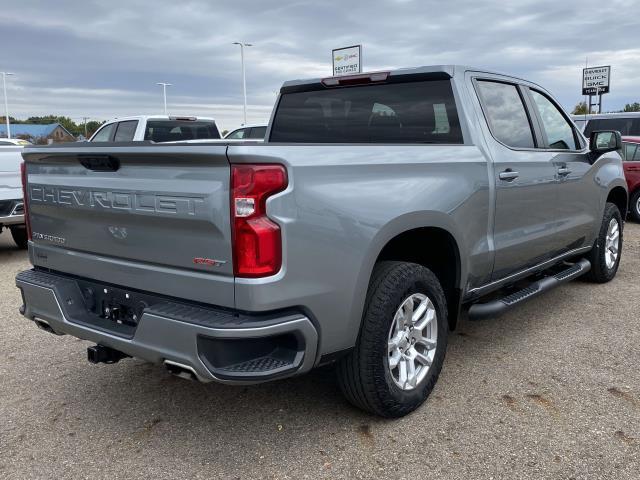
x,y
156,128
11,204
379,207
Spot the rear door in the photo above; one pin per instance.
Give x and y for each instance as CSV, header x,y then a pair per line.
x,y
153,217
526,195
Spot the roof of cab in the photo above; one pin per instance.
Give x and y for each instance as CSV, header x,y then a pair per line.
x,y
446,70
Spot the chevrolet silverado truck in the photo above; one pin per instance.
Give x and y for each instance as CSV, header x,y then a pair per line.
x,y
11,205
380,207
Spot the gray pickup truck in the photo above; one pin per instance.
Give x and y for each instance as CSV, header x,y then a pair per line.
x,y
379,208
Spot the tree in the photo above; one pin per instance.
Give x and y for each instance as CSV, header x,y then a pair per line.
x,y
92,126
580,109
632,107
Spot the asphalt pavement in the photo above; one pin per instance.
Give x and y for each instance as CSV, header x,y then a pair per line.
x,y
550,390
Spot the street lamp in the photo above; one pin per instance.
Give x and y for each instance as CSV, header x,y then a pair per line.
x,y
244,78
6,105
164,94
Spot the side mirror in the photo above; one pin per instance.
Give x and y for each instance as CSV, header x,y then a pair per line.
x,y
604,141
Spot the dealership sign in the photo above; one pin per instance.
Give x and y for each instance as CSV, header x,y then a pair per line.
x,y
595,80
347,60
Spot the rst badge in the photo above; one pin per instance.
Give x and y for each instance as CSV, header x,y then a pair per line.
x,y
210,262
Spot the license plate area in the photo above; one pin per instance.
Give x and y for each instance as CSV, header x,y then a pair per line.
x,y
113,309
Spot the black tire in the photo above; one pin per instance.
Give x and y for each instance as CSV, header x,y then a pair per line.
x,y
19,235
363,375
600,272
634,206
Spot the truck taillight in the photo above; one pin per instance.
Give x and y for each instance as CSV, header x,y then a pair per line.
x,y
25,198
257,243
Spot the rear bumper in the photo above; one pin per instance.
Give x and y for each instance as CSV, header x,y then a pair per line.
x,y
214,344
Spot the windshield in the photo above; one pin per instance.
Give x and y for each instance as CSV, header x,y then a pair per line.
x,y
177,130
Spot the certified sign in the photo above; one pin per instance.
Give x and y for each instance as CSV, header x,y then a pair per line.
x,y
347,60
595,80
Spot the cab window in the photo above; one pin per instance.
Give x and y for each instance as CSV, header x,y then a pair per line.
x,y
506,114
104,134
238,134
126,131
258,132
560,133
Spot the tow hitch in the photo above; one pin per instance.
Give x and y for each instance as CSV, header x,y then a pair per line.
x,y
102,354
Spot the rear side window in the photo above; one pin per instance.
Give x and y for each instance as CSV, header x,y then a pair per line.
x,y
177,130
258,132
126,131
506,114
410,112
238,134
560,134
630,152
104,134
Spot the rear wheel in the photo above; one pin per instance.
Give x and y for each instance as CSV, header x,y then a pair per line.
x,y
606,253
19,235
635,206
402,343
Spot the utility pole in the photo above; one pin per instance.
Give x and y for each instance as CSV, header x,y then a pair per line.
x,y
164,94
6,104
244,78
84,120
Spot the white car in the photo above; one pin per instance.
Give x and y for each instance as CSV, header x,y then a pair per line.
x,y
251,132
13,142
11,203
156,128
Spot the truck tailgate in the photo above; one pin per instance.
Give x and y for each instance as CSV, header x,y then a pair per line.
x,y
151,217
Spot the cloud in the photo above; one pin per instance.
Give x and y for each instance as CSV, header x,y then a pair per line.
x,y
103,59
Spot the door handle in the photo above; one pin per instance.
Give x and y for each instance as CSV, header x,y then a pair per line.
x,y
563,171
508,175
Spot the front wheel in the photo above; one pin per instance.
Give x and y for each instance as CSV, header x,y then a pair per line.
x,y
606,253
402,343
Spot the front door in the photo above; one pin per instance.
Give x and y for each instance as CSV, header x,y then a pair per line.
x,y
577,205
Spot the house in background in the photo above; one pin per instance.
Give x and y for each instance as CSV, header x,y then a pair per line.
x,y
42,134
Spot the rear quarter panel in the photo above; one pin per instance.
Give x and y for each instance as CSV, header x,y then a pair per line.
x,y
344,203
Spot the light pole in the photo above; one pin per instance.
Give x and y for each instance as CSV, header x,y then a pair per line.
x,y
244,78
164,94
6,104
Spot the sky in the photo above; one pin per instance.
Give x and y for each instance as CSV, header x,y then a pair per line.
x,y
102,59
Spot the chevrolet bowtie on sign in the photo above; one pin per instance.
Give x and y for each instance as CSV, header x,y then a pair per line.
x,y
347,60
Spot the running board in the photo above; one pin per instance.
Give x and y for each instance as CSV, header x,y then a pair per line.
x,y
495,308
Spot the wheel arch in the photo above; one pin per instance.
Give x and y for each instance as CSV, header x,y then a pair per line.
x,y
397,240
618,195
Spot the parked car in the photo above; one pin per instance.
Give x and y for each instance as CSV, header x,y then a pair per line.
x,y
627,123
12,142
256,132
380,207
11,204
156,128
631,157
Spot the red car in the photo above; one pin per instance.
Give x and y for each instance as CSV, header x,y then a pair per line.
x,y
631,157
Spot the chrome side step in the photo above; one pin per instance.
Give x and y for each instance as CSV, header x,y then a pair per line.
x,y
495,308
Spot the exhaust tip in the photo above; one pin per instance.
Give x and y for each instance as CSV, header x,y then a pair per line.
x,y
180,370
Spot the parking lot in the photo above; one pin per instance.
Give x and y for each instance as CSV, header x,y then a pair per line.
x,y
551,390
